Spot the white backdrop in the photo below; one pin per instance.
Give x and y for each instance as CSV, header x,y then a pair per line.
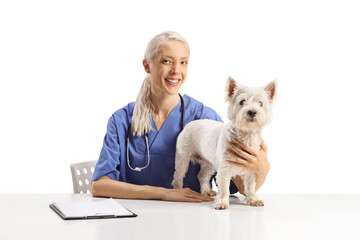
x,y
66,66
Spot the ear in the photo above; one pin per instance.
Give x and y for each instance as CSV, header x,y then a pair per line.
x,y
146,65
271,90
230,88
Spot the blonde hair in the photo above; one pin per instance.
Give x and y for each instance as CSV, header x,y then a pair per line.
x,y
141,119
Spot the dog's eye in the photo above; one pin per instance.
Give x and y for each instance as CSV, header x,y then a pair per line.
x,y
242,102
261,104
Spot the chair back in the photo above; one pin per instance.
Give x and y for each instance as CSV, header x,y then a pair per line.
x,y
81,175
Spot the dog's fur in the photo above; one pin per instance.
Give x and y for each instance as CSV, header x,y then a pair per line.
x,y
206,141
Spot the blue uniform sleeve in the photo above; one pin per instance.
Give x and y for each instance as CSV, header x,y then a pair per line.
x,y
208,113
108,162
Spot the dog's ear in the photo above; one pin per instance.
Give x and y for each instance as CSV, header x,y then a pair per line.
x,y
271,90
230,88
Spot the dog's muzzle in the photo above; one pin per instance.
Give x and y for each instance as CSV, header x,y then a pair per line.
x,y
252,114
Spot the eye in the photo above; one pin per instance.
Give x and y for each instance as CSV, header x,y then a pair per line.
x,y
184,62
242,102
261,103
166,61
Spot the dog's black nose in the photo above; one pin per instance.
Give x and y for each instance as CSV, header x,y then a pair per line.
x,y
252,114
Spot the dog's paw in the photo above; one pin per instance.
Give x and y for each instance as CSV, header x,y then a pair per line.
x,y
210,193
221,206
257,203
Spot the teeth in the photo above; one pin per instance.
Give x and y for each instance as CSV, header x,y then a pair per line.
x,y
172,81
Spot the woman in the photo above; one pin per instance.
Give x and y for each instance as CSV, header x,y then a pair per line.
x,y
138,156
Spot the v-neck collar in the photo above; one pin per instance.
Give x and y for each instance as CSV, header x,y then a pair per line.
x,y
154,133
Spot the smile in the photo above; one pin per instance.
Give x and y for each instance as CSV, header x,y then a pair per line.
x,y
173,81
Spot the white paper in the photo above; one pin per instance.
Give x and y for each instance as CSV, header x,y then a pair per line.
x,y
98,208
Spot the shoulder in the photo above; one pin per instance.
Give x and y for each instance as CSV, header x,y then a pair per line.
x,y
198,110
123,115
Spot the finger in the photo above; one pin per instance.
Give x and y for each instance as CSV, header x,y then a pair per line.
x,y
237,158
203,197
241,153
236,164
245,148
207,198
192,199
196,198
263,145
194,194
182,196
185,199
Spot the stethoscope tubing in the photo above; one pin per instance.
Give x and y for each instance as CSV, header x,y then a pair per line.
x,y
128,132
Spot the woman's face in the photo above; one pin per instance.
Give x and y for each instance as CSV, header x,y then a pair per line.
x,y
168,69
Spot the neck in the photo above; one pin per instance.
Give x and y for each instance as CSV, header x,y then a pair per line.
x,y
164,104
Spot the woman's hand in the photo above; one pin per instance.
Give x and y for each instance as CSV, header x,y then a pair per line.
x,y
184,195
255,161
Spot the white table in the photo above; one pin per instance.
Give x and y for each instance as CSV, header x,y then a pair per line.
x,y
283,217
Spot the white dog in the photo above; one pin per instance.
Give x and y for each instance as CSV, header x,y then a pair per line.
x,y
206,141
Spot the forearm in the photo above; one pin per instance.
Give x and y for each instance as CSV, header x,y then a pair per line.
x,y
106,187
239,182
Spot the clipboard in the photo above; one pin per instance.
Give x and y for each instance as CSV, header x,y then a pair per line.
x,y
91,210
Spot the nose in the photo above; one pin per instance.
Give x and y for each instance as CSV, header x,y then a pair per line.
x,y
251,113
175,68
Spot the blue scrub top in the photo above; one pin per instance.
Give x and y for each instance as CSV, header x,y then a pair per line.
x,y
162,144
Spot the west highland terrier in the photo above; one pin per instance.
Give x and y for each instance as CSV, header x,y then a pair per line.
x,y
206,141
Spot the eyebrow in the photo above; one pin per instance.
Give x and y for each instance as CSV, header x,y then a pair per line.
x,y
173,58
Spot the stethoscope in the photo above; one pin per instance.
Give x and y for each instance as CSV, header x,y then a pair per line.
x,y
128,132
